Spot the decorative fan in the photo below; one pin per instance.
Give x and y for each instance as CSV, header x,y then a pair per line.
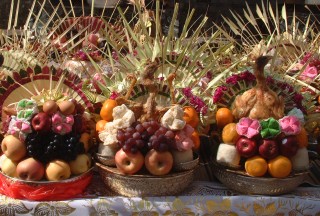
x,y
266,31
184,59
41,83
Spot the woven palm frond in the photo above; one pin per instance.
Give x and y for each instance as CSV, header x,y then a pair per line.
x,y
187,57
41,84
270,30
281,33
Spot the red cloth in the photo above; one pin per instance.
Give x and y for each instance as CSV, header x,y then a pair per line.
x,y
49,192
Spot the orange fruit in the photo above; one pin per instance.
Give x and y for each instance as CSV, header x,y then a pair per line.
x,y
256,166
223,117
302,138
107,108
191,116
196,140
279,167
229,134
100,125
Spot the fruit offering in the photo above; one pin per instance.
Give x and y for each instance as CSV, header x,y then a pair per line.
x,y
145,135
46,141
258,136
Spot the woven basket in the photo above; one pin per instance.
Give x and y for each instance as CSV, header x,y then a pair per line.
x,y
257,185
145,185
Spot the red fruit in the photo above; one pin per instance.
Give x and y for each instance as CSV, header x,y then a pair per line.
x,y
268,149
41,122
246,147
289,146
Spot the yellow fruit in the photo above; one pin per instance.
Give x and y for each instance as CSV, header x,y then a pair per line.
x,y
223,117
279,167
100,125
256,166
191,116
107,108
196,140
229,134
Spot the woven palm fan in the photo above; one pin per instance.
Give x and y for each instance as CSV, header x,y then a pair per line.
x,y
26,46
278,33
271,31
41,84
182,58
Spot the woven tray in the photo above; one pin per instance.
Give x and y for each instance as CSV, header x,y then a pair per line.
x,y
238,181
145,185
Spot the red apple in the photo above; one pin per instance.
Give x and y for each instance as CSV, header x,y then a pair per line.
x,y
246,147
158,163
41,122
127,162
289,146
57,170
13,148
268,148
30,169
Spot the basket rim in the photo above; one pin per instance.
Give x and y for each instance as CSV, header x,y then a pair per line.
x,y
114,171
45,182
241,173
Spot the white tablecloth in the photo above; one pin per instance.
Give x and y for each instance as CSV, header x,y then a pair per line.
x,y
201,198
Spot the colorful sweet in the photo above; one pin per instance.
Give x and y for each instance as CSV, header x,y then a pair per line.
x,y
290,125
228,155
19,128
183,139
173,118
269,128
248,127
26,109
297,113
62,124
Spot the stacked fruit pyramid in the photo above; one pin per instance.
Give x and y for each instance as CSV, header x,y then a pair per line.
x,y
47,141
258,135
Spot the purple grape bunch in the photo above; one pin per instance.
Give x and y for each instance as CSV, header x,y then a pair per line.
x,y
145,136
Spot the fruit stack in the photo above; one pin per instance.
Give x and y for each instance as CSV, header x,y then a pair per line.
x,y
258,136
159,146
47,141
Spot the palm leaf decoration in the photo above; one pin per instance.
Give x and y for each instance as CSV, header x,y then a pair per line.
x,y
270,30
182,57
